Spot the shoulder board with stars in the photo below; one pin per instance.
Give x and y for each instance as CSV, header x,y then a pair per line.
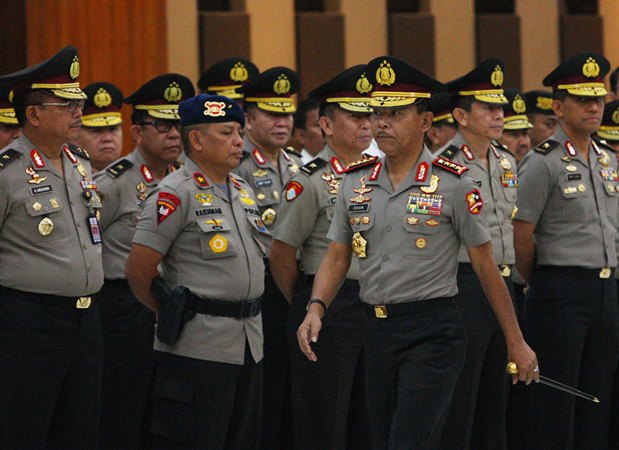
x,y
500,146
450,166
449,152
7,157
119,168
366,161
546,147
313,165
79,151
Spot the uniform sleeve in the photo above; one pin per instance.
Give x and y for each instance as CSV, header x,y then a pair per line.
x,y
535,184
161,221
297,217
110,193
467,216
340,230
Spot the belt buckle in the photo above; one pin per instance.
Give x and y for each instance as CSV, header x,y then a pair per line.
x,y
380,311
605,272
506,270
83,302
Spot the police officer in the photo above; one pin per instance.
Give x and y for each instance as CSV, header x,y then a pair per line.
x,y
202,225
50,270
443,128
565,229
101,134
516,126
268,167
127,324
404,217
227,76
306,131
328,398
541,116
9,128
477,414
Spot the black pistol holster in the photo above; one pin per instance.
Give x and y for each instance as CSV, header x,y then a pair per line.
x,y
174,310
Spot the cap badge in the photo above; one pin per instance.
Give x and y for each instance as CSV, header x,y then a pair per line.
x,y
615,116
281,85
497,76
363,85
173,92
238,73
74,70
102,98
590,68
518,105
385,74
544,103
214,109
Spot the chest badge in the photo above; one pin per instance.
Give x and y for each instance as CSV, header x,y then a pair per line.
x,y
359,245
46,226
434,179
35,178
361,198
333,184
204,199
141,188
505,164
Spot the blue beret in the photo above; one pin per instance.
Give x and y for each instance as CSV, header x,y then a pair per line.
x,y
205,108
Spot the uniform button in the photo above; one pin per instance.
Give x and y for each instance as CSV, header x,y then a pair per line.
x,y
386,258
388,228
381,284
84,246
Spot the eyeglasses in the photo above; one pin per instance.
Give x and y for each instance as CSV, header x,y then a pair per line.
x,y
163,126
70,105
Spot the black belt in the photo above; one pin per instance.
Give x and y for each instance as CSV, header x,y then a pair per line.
x,y
116,282
580,272
407,309
223,308
83,302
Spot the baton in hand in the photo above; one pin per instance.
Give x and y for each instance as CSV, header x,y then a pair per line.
x,y
512,369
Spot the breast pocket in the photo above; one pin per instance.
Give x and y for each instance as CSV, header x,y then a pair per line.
x,y
511,194
216,240
577,204
259,233
612,199
47,218
360,221
420,241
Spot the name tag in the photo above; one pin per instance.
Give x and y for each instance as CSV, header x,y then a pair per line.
x,y
573,176
357,208
206,212
264,183
40,189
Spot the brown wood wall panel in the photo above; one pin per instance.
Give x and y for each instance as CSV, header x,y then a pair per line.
x,y
498,35
581,33
216,40
411,38
13,41
123,42
320,48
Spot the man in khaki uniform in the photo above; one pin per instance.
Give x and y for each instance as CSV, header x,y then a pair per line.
x,y
443,128
328,398
477,413
405,217
50,268
564,234
127,324
268,167
516,128
202,226
541,116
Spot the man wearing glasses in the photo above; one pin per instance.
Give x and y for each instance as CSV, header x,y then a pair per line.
x,y
127,324
50,269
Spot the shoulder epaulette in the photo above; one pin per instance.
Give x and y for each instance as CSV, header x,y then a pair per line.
x,y
79,151
292,151
450,166
503,147
7,157
366,161
449,152
546,147
602,143
313,165
119,167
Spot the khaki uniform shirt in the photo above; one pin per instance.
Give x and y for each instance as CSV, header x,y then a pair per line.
x,y
308,210
124,186
498,185
266,180
573,203
412,234
210,242
45,234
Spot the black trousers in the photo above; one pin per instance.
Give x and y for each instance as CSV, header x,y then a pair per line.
x,y
413,363
329,401
50,372
477,414
126,394
572,322
205,405
277,418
